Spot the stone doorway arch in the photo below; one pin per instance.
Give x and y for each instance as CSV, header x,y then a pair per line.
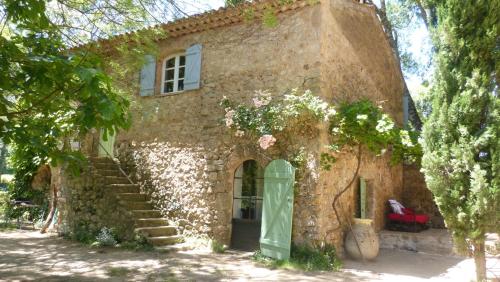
x,y
248,190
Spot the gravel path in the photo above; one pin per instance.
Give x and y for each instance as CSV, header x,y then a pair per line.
x,y
28,256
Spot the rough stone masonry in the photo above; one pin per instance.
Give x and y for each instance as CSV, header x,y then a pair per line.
x,y
180,153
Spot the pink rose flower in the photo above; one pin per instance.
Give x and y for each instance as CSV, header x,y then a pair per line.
x,y
266,141
257,102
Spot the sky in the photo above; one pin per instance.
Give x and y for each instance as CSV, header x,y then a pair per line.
x,y
196,6
420,48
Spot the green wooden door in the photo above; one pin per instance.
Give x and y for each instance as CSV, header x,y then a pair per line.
x,y
362,197
276,230
106,146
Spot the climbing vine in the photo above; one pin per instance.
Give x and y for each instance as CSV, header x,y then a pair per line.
x,y
272,121
349,124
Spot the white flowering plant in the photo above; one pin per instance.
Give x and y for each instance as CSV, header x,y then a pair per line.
x,y
266,117
364,123
106,237
360,123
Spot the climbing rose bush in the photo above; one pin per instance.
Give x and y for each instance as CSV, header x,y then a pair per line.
x,y
266,141
266,117
352,124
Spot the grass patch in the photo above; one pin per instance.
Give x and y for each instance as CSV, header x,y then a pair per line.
x,y
107,238
119,271
136,246
139,243
162,276
218,247
4,226
304,258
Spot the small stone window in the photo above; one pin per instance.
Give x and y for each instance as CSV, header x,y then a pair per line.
x,y
173,74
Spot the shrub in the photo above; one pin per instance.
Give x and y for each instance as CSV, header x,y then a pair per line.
x,y
106,237
140,243
81,233
305,258
217,247
4,202
324,258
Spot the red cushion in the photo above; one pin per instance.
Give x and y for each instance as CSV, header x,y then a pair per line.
x,y
409,218
408,211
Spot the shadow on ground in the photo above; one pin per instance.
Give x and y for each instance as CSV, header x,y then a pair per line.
x,y
406,263
28,256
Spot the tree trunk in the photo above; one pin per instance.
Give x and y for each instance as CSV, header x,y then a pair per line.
x,y
52,206
354,177
480,261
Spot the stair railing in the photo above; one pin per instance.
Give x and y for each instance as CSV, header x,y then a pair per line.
x,y
117,163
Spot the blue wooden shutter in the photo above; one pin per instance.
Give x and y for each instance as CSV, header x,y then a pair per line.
x,y
193,67
148,74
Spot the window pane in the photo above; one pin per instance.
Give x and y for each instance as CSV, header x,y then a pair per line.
x,y
180,85
183,61
171,63
181,73
169,74
168,87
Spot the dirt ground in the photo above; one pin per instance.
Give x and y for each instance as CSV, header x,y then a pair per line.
x,y
29,256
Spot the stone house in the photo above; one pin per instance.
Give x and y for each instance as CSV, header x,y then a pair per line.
x,y
199,176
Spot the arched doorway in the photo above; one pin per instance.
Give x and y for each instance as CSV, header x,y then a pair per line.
x,y
248,190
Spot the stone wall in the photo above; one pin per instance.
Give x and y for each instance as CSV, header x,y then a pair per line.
x,y
84,205
182,156
357,61
383,182
357,64
418,197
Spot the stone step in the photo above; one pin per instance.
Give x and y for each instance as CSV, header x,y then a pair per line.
x,y
179,247
142,205
109,172
124,188
432,241
133,197
101,160
157,231
165,240
151,222
146,213
106,166
116,180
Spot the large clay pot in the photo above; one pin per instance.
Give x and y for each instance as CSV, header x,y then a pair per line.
x,y
366,237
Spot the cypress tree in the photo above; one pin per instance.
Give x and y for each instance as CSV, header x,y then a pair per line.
x,y
460,141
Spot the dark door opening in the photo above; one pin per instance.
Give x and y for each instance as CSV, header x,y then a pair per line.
x,y
247,206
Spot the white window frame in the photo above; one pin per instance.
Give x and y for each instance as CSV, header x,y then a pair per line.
x,y
176,73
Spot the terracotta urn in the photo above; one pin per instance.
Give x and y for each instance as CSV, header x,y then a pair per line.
x,y
367,239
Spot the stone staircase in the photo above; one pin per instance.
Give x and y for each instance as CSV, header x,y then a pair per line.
x,y
148,220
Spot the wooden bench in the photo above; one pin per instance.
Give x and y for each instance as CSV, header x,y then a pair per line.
x,y
24,205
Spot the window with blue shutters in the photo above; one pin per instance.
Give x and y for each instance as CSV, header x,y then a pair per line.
x,y
148,74
193,67
174,69
179,72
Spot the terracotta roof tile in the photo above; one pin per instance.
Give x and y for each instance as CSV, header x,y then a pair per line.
x,y
217,18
